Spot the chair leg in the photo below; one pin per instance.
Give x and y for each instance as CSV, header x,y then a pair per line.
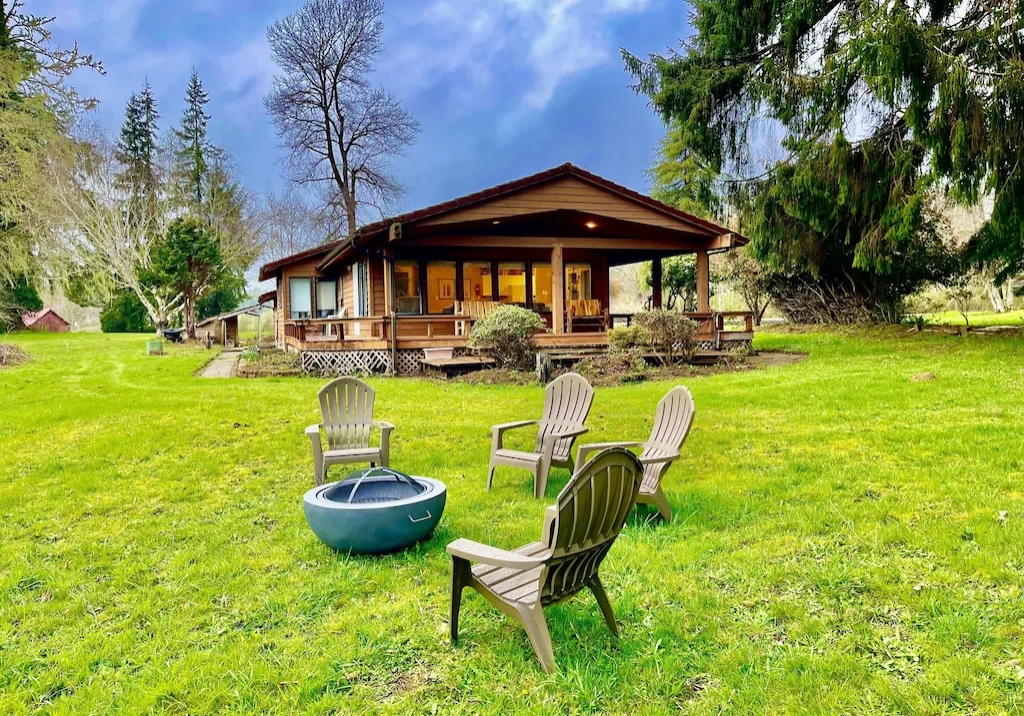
x,y
537,629
490,474
460,579
602,600
659,500
540,479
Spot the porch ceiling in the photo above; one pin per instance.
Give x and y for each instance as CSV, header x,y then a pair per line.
x,y
625,241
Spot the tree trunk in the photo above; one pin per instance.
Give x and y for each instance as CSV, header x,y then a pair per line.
x,y
995,297
189,306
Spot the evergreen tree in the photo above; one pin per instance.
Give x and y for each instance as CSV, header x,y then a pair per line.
x,y
876,106
137,148
194,150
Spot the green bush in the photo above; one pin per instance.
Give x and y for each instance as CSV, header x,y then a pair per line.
x,y
628,338
506,334
125,314
673,335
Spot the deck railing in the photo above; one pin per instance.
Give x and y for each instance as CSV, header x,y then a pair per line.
x,y
328,333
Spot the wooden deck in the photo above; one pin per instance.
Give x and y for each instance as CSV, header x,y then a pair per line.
x,y
420,332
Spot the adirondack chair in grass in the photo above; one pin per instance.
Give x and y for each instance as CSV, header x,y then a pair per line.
x,y
579,529
346,405
567,401
672,423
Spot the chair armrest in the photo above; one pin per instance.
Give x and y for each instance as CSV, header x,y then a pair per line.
x,y
512,426
313,430
498,432
383,425
584,450
655,459
476,552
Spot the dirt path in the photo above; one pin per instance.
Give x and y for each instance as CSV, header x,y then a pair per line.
x,y
223,366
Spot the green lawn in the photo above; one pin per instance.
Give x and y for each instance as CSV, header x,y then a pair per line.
x,y
838,546
978,318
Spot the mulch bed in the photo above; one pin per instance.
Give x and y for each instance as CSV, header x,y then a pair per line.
x,y
12,355
606,370
271,363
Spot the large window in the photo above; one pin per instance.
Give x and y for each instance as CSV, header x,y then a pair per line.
x,y
476,281
541,286
360,290
512,283
407,288
440,287
300,297
578,282
326,298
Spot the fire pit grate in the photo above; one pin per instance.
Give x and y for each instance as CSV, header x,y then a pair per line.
x,y
376,484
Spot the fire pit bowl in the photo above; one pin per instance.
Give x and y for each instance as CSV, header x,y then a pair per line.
x,y
374,511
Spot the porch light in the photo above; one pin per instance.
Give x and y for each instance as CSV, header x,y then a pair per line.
x,y
591,224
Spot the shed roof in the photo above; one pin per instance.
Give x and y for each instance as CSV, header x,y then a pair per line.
x,y
243,311
30,318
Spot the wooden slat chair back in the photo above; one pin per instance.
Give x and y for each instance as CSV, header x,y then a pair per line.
x,y
672,422
586,314
346,406
474,310
590,512
346,409
579,530
567,402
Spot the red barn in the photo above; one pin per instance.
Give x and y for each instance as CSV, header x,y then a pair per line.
x,y
45,321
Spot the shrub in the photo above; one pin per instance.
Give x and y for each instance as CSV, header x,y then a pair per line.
x,y
506,333
673,335
628,338
125,314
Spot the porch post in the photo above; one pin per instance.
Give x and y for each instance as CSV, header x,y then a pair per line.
x,y
703,282
557,290
656,282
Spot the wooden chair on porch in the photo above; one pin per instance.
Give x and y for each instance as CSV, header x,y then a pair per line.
x,y
672,423
567,401
579,530
346,405
586,315
474,310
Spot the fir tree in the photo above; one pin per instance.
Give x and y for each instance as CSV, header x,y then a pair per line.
x,y
194,151
137,146
826,129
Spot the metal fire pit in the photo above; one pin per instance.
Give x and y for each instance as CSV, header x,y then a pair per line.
x,y
374,511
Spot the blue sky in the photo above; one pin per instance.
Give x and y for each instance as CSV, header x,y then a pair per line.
x,y
502,88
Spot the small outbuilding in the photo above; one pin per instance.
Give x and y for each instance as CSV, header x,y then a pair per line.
x,y
223,329
45,321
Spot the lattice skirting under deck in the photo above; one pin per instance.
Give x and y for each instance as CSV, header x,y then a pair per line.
x,y
332,363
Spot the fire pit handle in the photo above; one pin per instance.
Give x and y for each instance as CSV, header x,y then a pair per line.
x,y
379,472
421,519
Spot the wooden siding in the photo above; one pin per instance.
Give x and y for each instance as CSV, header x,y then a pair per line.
x,y
566,193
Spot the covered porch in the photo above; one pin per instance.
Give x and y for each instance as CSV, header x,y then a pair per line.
x,y
546,243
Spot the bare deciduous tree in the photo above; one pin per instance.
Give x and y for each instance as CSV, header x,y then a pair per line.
x,y
93,227
290,224
340,131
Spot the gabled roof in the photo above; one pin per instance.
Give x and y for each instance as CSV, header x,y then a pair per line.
x,y
564,170
269,269
334,249
30,318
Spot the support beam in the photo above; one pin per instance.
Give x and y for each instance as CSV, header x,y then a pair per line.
x,y
703,283
557,290
656,279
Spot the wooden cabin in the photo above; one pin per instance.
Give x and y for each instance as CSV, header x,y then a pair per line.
x,y
418,281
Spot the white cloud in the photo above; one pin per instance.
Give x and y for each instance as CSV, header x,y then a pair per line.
x,y
537,43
